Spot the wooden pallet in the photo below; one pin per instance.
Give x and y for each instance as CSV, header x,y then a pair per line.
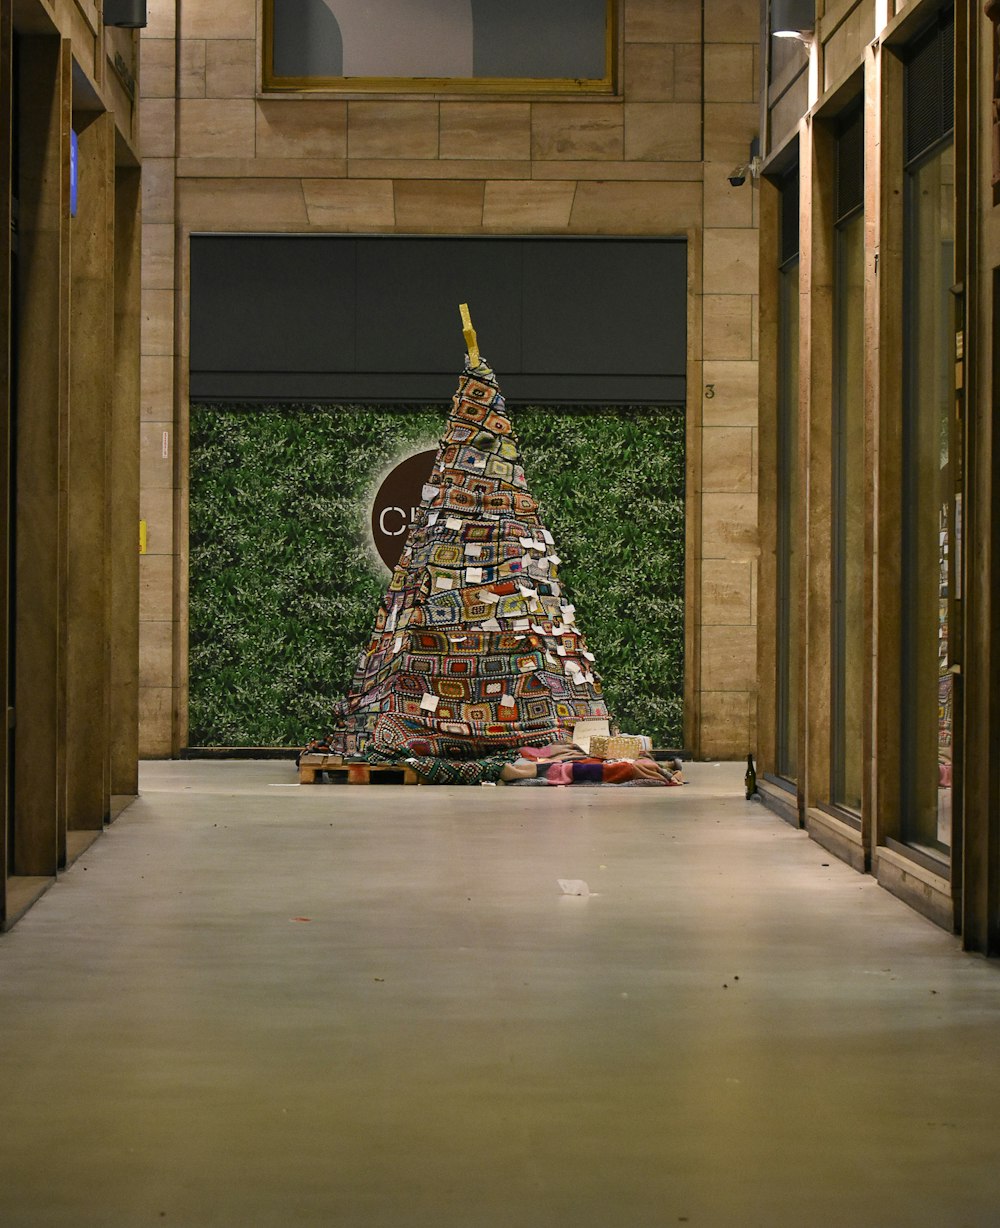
x,y
355,773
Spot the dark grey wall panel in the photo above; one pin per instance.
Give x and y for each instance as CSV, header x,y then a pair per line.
x,y
408,296
605,307
418,387
272,304
336,318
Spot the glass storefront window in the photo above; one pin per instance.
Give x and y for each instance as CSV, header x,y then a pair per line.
x,y
789,521
848,540
928,502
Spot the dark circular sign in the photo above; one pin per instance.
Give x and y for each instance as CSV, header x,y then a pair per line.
x,y
395,506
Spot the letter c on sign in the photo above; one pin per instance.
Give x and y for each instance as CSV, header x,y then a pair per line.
x,y
381,521
401,490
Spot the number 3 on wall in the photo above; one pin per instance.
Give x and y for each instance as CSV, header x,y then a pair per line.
x,y
709,391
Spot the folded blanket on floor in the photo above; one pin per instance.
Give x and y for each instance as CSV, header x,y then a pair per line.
x,y
522,769
573,767
558,764
541,782
555,750
617,773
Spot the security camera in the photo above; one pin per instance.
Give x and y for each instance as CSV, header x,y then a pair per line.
x,y
738,175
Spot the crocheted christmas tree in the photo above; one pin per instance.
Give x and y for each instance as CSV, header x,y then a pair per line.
x,y
475,649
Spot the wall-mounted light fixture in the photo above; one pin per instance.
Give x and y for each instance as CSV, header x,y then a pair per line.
x,y
131,14
793,19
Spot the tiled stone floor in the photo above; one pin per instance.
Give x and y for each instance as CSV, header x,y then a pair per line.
x,y
256,1004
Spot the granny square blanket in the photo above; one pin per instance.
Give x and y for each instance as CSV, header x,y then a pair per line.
x,y
475,650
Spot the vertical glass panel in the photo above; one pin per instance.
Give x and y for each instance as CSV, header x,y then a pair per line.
x,y
848,515
928,503
789,526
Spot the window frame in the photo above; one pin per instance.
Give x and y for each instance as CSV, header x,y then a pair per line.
x,y
272,83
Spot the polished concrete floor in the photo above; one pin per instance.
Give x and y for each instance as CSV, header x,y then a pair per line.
x,y
256,1004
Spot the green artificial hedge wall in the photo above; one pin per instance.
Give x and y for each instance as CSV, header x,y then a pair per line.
x,y
284,583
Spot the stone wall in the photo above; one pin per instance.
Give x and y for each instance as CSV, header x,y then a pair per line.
x,y
220,156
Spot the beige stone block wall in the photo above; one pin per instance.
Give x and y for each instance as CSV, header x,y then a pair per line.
x,y
157,66
573,130
651,160
158,321
208,125
636,208
662,21
392,129
517,205
158,256
448,206
156,134
663,131
160,20
734,394
191,68
309,130
726,605
728,324
157,190
157,375
485,130
730,72
350,204
158,578
230,68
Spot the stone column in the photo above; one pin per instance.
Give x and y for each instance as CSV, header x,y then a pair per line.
x,y
88,791
157,609
40,536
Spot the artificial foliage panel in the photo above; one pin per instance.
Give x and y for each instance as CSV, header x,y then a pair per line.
x,y
285,580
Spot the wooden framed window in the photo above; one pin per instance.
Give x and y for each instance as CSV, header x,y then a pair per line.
x,y
440,46
931,503
790,562
848,647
